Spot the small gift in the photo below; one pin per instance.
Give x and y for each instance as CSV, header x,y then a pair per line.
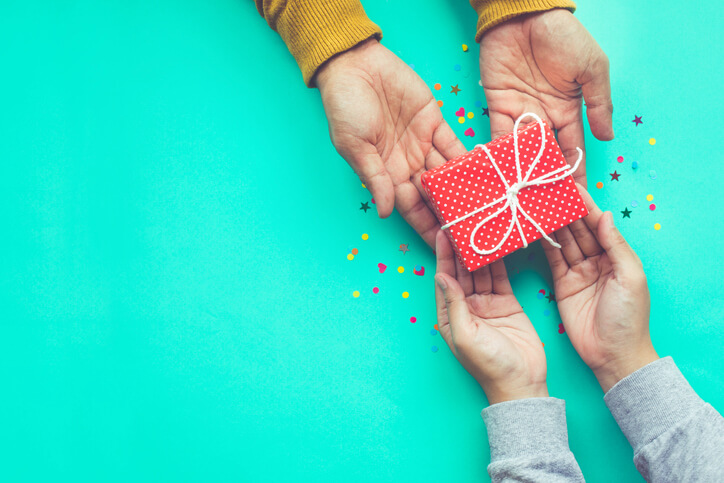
x,y
503,195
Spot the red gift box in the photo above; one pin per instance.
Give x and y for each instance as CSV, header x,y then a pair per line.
x,y
503,195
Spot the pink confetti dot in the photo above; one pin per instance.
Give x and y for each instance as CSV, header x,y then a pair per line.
x,y
652,206
413,319
375,290
620,159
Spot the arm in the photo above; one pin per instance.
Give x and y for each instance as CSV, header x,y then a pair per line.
x,y
487,331
603,300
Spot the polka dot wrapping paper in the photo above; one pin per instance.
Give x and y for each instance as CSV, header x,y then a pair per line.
x,y
470,181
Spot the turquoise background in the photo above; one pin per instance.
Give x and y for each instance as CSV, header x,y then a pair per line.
x,y
175,291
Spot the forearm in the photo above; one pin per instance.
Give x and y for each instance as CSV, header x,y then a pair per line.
x,y
315,31
494,12
529,441
676,436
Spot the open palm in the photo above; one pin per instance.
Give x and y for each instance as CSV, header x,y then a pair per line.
x,y
545,63
486,328
385,122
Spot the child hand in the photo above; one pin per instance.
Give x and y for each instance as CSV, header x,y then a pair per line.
x,y
602,295
486,329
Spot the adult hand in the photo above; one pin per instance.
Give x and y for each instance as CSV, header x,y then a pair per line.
x,y
543,63
385,122
486,329
602,295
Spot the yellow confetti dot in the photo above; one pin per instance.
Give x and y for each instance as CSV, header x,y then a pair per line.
x,y
439,103
461,119
355,294
599,185
652,141
405,295
465,48
649,197
400,269
365,236
470,115
350,257
363,185
657,226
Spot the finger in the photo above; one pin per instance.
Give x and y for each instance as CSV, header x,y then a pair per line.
x,y
596,87
558,264
445,264
570,249
500,124
411,205
594,212
482,280
373,173
619,252
457,307
585,239
501,283
571,137
464,278
446,143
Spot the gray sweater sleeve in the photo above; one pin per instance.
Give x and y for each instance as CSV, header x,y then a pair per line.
x,y
675,435
529,441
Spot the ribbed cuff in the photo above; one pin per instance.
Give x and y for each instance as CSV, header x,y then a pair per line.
x,y
526,427
651,400
494,12
314,31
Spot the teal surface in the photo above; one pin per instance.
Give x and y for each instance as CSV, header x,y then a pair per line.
x,y
174,284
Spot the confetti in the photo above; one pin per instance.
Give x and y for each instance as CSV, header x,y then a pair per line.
x,y
626,213
363,185
465,48
401,269
434,348
634,203
433,332
350,256
657,226
455,89
404,249
486,112
460,112
435,326
652,141
634,165
637,120
478,103
419,270
413,319
546,312
614,176
382,267
599,185
457,67
469,132
439,103
652,206
355,294
649,197
471,115
365,236
376,290
540,295
437,87
365,206
652,174
405,295
551,297
355,251
620,159
461,120
561,329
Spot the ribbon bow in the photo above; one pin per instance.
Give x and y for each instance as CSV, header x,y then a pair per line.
x,y
510,199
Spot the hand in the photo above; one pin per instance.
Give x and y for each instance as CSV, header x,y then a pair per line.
x,y
602,295
542,63
385,122
486,329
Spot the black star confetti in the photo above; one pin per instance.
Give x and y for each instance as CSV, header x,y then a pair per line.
x,y
551,297
485,112
365,206
626,213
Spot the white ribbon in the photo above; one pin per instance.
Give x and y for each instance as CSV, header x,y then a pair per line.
x,y
511,191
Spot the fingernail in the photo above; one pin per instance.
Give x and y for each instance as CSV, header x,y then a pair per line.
x,y
441,283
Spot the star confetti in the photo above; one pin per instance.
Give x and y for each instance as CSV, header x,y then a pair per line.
x,y
637,120
455,89
365,206
404,249
626,213
551,297
614,176
485,112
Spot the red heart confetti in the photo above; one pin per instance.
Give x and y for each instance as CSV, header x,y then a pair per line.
x,y
469,132
460,112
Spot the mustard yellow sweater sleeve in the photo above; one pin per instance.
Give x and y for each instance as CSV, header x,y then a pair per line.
x,y
316,30
494,12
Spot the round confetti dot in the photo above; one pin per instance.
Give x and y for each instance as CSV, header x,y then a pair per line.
x,y
465,48
436,327
657,226
434,348
363,185
433,332
470,115
652,206
649,197
546,312
439,103
635,165
620,159
401,269
365,236
413,319
405,295
478,103
599,185
652,174
355,251
652,141
437,87
350,256
355,294
540,295
457,67
461,119
634,203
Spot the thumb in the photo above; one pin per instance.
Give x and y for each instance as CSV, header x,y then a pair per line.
x,y
619,252
596,87
457,308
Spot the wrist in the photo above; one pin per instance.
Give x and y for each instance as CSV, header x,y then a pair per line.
x,y
343,61
611,372
497,395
